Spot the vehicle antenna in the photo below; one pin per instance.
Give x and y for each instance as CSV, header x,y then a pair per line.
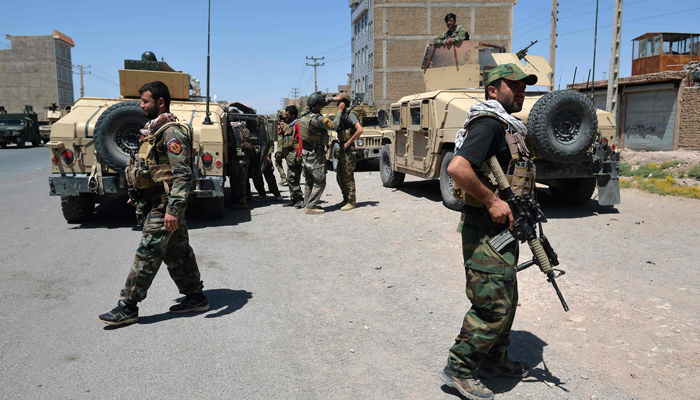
x,y
574,81
207,120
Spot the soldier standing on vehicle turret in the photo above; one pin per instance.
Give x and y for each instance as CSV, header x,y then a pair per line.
x,y
349,130
454,33
163,175
313,128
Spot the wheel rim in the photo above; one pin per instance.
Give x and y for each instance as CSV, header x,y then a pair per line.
x,y
567,127
127,138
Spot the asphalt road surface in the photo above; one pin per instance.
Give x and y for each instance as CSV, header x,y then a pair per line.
x,y
346,305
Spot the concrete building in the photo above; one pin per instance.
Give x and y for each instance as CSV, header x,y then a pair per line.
x,y
389,39
36,71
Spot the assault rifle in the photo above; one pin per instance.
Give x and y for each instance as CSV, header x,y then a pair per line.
x,y
522,53
346,112
527,216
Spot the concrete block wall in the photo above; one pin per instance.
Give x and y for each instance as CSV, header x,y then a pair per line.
x,y
403,28
689,138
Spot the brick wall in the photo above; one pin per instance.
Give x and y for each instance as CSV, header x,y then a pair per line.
x,y
690,119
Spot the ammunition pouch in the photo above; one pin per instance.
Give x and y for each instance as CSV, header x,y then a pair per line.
x,y
138,176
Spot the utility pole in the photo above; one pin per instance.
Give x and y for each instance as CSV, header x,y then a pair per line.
x,y
553,43
595,46
611,103
82,88
315,64
295,91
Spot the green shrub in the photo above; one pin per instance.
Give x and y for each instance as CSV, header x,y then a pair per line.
x,y
694,172
625,169
670,164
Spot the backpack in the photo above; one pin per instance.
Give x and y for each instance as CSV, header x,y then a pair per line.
x,y
241,137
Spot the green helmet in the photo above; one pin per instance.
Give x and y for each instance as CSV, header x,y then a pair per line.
x,y
316,97
148,56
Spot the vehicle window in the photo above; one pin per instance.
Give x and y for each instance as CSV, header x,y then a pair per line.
x,y
15,122
396,116
415,115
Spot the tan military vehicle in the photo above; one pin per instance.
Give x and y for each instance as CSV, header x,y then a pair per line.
x,y
53,114
91,145
573,142
369,144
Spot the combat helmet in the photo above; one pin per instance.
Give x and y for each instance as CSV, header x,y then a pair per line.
x,y
148,56
316,97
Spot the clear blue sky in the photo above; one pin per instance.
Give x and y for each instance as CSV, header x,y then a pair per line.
x,y
258,47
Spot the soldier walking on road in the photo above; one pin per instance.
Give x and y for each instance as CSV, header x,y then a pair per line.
x,y
454,33
280,155
349,130
291,149
163,175
269,175
313,128
492,288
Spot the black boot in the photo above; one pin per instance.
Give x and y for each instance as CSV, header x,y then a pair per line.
x,y
123,314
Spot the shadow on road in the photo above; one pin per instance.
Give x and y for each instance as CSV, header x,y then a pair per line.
x,y
427,189
527,348
555,210
223,301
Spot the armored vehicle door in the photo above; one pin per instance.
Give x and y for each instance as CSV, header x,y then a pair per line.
x,y
261,140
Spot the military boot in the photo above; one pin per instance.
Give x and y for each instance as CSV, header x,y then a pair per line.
x,y
314,210
471,388
508,369
122,314
348,206
192,303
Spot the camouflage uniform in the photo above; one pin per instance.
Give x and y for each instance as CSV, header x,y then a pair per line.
x,y
290,148
280,156
492,289
157,243
345,173
460,33
313,128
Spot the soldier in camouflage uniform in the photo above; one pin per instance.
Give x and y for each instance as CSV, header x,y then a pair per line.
x,y
313,128
280,154
292,150
348,133
163,175
454,33
240,152
492,288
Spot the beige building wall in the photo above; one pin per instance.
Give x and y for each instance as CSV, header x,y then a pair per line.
x,y
402,28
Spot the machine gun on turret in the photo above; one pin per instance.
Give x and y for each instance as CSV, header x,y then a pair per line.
x,y
522,53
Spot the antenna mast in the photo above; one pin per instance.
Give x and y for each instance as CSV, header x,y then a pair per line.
x,y
207,120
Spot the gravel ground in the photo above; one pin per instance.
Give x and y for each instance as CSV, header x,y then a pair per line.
x,y
346,305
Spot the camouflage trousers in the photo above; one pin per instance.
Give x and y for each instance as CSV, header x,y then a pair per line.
x,y
492,289
158,245
294,177
345,174
279,164
313,163
238,175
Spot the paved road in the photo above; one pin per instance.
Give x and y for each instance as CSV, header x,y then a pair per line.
x,y
357,305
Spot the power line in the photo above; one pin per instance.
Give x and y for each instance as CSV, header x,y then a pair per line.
x,y
315,65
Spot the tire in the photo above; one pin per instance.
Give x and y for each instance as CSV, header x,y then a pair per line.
x,y
563,125
390,178
117,133
212,207
3,145
36,142
573,192
77,208
446,184
21,140
334,161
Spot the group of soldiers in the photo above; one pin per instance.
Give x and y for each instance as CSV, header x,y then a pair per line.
x,y
302,144
490,130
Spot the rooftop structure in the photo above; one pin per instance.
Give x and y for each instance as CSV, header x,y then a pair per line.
x,y
660,52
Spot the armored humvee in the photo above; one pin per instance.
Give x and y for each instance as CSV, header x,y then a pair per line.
x,y
53,114
19,128
91,145
369,144
573,142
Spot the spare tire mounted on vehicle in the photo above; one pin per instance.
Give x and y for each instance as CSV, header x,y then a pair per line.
x,y
563,125
117,133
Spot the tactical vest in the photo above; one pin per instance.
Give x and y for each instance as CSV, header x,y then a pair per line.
x,y
152,164
288,141
520,171
310,134
345,134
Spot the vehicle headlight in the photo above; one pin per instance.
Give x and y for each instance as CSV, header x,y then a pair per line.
x,y
360,142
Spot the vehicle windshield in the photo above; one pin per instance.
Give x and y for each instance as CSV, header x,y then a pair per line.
x,y
11,122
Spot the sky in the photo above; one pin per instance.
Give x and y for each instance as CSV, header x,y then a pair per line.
x,y
259,47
